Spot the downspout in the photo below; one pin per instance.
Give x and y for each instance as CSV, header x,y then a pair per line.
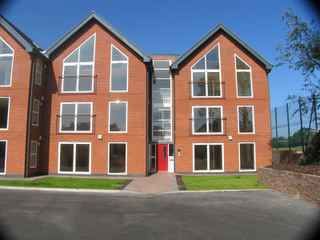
x,y
148,94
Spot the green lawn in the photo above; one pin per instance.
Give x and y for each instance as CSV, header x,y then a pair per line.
x,y
221,182
67,182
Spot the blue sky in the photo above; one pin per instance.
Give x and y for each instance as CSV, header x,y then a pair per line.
x,y
171,26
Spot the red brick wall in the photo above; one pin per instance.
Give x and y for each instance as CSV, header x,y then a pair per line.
x,y
136,97
184,103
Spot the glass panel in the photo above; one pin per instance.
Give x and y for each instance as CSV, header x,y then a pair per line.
x,y
214,84
68,117
162,73
4,111
86,51
215,120
70,78
117,156
119,76
161,64
2,156
244,84
245,119
117,55
247,156
199,85
73,58
241,65
200,64
84,117
5,70
200,157
200,120
118,117
171,150
82,157
4,48
85,78
213,59
215,157
66,157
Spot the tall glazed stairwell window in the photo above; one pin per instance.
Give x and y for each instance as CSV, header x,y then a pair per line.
x,y
6,63
78,68
206,75
118,71
243,78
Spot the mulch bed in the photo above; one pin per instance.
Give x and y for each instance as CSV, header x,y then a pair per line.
x,y
313,169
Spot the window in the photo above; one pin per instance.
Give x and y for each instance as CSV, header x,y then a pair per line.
x,y
78,68
117,158
34,154
4,113
246,119
206,75
118,118
208,157
247,158
76,117
119,71
3,156
207,120
35,112
74,157
38,74
244,78
6,63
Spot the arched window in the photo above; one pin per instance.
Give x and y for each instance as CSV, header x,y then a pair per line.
x,y
6,62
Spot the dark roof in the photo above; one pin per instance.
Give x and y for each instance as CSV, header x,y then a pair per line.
x,y
220,27
17,34
100,20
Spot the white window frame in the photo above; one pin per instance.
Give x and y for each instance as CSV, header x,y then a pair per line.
x,y
34,154
207,120
8,55
78,64
206,75
35,100
126,160
243,70
8,117
255,157
5,157
253,119
38,72
75,117
208,157
109,116
74,158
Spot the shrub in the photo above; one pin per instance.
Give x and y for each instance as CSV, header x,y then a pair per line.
x,y
312,152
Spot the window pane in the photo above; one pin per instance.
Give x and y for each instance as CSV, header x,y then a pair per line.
x,y
86,51
2,156
247,156
241,65
5,70
162,73
82,157
84,117
118,117
68,117
214,84
200,157
119,76
85,78
4,48
199,86
213,59
66,157
215,120
161,64
244,84
200,120
4,111
70,78
117,156
117,55
200,65
245,119
73,58
215,157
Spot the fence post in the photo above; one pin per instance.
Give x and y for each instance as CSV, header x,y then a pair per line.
x,y
288,121
315,110
302,131
276,122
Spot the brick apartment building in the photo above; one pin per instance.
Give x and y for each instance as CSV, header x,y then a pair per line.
x,y
95,104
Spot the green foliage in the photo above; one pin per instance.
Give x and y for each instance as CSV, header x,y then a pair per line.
x,y
312,153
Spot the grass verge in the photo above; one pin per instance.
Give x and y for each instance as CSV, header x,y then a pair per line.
x,y
68,182
221,182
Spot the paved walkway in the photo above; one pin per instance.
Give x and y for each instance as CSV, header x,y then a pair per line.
x,y
156,183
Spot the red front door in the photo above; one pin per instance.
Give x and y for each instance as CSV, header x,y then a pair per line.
x,y
162,157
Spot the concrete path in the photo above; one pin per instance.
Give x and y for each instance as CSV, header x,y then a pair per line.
x,y
156,183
